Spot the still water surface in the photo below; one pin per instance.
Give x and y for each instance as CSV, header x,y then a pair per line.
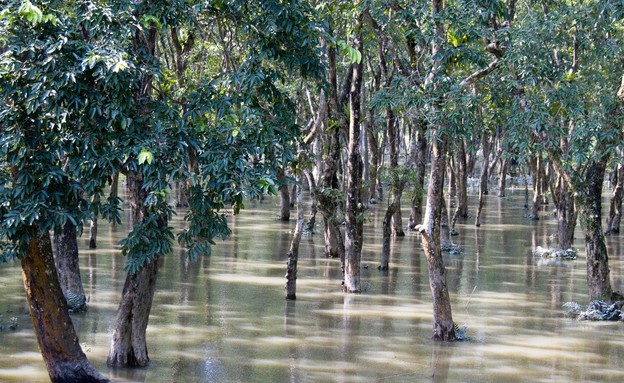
x,y
224,317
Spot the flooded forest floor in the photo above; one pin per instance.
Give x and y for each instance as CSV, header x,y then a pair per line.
x,y
224,317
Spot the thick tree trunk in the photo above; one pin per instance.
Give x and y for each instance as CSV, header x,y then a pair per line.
x,y
589,198
293,253
354,208
615,205
59,345
68,267
129,343
443,326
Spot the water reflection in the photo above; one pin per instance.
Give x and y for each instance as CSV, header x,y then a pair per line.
x,y
223,318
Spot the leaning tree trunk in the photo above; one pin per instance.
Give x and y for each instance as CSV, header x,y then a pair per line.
x,y
129,344
443,326
589,198
58,342
68,267
615,205
354,208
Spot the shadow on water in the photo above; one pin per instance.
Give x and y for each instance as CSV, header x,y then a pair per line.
x,y
223,318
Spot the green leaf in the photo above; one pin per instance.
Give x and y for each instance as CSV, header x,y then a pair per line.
x,y
31,12
145,156
120,65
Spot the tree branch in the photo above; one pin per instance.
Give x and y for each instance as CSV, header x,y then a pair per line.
x,y
479,74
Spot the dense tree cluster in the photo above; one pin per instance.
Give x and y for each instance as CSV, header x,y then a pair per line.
x,y
202,104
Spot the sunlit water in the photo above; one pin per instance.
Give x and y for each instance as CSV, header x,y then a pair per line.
x,y
224,317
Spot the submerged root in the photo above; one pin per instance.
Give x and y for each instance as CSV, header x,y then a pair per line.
x,y
551,252
461,332
596,311
452,249
75,302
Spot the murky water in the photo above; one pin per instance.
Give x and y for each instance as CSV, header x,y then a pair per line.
x,y
224,318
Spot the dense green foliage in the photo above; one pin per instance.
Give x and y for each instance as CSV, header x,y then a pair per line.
x,y
73,76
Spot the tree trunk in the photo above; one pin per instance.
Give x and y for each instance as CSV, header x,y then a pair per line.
x,y
483,189
59,345
563,197
452,180
293,253
313,205
373,148
326,195
68,267
420,162
93,229
129,343
461,211
443,326
387,234
445,229
396,190
284,193
535,165
615,205
502,180
354,208
589,198
114,188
